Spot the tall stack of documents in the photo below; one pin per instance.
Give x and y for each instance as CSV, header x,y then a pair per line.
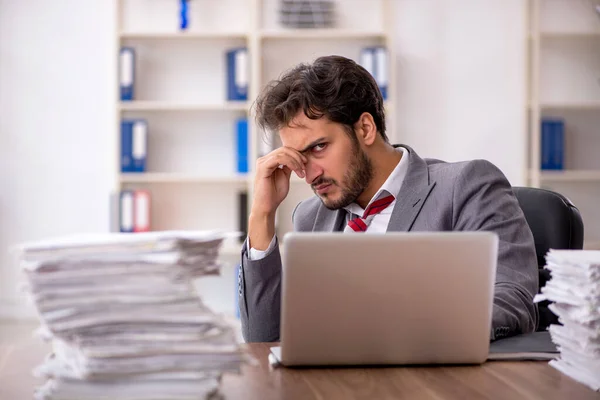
x,y
124,319
575,291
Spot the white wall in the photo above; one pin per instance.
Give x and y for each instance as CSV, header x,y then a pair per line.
x,y
56,118
462,80
461,94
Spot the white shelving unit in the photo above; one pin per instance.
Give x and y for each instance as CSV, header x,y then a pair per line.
x,y
173,106
564,55
191,131
180,89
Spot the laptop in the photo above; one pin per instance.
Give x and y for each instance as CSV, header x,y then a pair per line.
x,y
398,298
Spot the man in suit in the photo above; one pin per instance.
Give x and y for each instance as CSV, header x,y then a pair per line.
x,y
330,118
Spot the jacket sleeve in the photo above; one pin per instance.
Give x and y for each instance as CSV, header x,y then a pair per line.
x,y
483,200
259,290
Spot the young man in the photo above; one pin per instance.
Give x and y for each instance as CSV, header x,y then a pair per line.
x,y
330,118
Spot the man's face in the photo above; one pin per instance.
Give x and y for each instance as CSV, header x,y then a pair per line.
x,y
338,170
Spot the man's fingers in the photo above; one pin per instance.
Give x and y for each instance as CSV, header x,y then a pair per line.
x,y
301,158
291,160
284,156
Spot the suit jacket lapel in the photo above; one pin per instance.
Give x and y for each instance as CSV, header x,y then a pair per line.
x,y
413,193
329,220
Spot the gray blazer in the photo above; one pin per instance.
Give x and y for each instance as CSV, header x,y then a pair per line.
x,y
435,196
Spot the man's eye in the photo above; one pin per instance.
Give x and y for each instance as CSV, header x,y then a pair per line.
x,y
319,147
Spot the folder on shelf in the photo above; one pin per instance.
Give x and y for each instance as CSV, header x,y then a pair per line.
x,y
141,208
126,73
134,211
367,60
242,145
558,153
134,138
237,74
374,60
381,70
126,210
552,144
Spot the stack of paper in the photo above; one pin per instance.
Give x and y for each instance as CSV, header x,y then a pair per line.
x,y
124,318
575,291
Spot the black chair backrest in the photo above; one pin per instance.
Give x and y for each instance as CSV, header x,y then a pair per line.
x,y
555,223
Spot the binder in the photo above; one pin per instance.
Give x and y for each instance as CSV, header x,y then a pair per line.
x,y
126,73
381,70
552,146
375,61
558,153
237,74
141,208
546,145
126,215
134,147
367,60
242,145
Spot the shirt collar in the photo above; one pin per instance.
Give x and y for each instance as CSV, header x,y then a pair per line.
x,y
391,185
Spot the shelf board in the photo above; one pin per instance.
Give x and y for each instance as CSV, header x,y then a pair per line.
x,y
320,34
570,175
167,177
570,106
566,35
170,106
182,35
571,35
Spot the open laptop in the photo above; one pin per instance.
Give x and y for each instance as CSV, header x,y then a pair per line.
x,y
379,299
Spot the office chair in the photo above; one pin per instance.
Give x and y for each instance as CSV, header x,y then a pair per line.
x,y
555,223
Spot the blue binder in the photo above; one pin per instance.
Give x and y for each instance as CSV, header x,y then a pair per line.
x,y
558,153
126,212
242,145
546,146
134,134
381,70
126,73
375,61
552,146
237,74
367,60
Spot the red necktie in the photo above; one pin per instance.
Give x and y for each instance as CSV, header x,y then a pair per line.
x,y
360,224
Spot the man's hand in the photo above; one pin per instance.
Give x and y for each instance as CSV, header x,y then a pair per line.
x,y
271,187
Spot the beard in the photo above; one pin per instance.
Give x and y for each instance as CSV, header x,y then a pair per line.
x,y
356,180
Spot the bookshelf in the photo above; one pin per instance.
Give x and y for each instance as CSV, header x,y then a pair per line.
x,y
174,106
180,90
564,78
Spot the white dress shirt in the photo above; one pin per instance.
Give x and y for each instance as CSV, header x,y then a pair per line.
x,y
380,221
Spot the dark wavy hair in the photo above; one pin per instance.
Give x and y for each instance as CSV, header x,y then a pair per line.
x,y
333,86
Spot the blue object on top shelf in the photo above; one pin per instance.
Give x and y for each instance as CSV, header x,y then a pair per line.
x,y
184,14
126,73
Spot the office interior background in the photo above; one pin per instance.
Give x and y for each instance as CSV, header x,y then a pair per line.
x,y
516,82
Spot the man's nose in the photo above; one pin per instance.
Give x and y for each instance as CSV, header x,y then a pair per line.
x,y
313,171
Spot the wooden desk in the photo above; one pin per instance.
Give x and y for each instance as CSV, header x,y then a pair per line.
x,y
493,380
